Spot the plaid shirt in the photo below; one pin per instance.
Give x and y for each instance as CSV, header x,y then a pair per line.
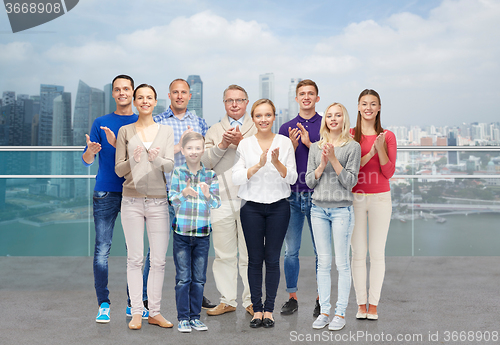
x,y
180,126
192,214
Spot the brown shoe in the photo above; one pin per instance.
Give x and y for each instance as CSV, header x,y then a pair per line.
x,y
160,321
220,309
249,309
136,322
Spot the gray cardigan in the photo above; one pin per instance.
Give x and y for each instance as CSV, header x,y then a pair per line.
x,y
332,190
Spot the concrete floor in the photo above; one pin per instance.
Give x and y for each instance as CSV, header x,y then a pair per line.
x,y
51,300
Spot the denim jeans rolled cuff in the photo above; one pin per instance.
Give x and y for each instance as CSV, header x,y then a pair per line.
x,y
333,224
264,227
106,206
190,259
300,209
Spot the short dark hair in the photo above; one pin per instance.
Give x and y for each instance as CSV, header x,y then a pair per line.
x,y
306,82
122,76
178,79
145,85
191,136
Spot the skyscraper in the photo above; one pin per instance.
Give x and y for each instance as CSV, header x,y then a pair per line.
x,y
266,86
62,162
88,106
161,107
109,101
195,104
61,126
293,106
47,95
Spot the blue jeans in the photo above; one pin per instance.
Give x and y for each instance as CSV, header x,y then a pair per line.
x,y
300,208
264,227
190,259
337,223
106,206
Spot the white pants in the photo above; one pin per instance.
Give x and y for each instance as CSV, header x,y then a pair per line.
x,y
377,209
133,213
228,240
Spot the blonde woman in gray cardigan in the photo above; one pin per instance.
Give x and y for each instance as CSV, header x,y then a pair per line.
x,y
332,171
144,151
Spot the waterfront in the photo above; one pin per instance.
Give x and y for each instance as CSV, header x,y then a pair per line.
x,y
460,235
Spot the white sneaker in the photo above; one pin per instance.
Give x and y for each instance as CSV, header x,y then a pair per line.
x,y
337,323
321,321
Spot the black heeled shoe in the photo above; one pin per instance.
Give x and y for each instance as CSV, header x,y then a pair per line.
x,y
256,323
268,323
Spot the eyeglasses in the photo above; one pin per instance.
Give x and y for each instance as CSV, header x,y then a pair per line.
x,y
238,100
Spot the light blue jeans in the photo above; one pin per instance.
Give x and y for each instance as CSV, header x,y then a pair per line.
x,y
300,209
337,223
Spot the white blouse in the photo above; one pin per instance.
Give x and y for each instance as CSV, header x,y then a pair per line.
x,y
266,185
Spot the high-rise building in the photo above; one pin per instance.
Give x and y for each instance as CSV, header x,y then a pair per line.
x,y
89,105
195,104
35,120
266,86
161,106
62,162
61,126
281,116
9,97
453,157
47,95
293,106
109,101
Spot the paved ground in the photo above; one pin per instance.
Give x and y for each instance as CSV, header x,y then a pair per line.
x,y
425,300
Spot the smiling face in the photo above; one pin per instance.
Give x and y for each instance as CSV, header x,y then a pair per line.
x,y
307,97
145,100
122,92
263,117
334,119
193,150
369,107
179,96
235,103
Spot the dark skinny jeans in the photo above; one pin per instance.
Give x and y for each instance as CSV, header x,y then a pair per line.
x,y
264,227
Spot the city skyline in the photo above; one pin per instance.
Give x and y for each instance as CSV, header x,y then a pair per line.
x,y
427,59
20,119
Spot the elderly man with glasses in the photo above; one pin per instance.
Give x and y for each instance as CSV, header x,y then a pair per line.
x,y
221,142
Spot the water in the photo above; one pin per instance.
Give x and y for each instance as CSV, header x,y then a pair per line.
x,y
460,235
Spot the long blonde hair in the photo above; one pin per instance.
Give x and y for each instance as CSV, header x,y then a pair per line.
x,y
324,131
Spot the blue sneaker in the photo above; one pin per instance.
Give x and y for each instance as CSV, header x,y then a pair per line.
x,y
145,312
103,314
184,326
198,325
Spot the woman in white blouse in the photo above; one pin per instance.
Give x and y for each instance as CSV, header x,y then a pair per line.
x,y
264,170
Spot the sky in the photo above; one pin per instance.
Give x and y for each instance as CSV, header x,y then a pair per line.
x,y
432,62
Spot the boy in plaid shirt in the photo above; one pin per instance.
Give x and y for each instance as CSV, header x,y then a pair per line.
x,y
194,191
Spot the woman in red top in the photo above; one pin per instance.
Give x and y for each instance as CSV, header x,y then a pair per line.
x,y
372,202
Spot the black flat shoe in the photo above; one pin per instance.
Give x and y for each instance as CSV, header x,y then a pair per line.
x,y
256,323
268,323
